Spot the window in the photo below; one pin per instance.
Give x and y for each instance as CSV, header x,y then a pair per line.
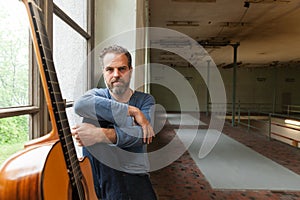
x,y
70,54
14,77
23,112
70,47
13,56
77,10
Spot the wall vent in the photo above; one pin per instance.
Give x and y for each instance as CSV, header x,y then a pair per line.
x,y
261,79
290,80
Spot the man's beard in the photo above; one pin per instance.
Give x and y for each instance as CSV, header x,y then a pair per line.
x,y
118,90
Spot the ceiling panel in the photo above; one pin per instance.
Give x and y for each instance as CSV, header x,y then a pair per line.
x,y
268,30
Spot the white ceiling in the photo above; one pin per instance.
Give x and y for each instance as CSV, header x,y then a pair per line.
x,y
268,30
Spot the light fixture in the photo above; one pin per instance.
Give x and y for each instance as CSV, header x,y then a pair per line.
x,y
182,23
214,42
195,1
292,122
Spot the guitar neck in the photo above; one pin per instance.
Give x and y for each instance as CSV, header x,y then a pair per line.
x,y
55,102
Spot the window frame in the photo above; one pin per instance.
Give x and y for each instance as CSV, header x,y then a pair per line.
x,y
39,122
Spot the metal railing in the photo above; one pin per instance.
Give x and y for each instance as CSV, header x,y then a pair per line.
x,y
253,119
291,132
260,117
292,109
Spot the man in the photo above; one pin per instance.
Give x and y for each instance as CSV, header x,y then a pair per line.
x,y
115,131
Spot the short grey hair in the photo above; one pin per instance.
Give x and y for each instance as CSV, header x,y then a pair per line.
x,y
117,50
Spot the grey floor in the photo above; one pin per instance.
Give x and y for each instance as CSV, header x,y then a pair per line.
x,y
232,165
183,119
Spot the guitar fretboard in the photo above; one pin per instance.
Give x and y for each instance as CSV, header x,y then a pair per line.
x,y
51,87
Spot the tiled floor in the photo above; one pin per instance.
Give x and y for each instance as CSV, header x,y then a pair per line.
x,y
183,180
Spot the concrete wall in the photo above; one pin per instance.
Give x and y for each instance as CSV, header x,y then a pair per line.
x,y
256,88
115,23
265,86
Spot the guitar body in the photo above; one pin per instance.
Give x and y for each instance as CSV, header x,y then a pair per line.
x,y
39,172
48,167
59,187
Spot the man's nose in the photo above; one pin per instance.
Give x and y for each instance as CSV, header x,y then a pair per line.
x,y
116,73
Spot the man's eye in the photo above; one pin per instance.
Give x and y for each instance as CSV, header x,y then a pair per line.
x,y
122,69
109,69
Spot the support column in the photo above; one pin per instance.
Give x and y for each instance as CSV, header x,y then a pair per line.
x,y
235,46
207,91
274,90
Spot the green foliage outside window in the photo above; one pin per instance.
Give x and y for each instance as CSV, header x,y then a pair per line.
x,y
13,59
13,130
14,75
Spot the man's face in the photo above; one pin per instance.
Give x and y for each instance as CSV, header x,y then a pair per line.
x,y
116,73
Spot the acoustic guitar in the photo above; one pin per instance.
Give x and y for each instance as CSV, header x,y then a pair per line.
x,y
48,167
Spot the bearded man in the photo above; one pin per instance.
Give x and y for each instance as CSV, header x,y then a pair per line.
x,y
115,131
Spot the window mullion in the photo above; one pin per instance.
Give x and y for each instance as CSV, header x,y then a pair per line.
x,y
15,111
63,16
90,43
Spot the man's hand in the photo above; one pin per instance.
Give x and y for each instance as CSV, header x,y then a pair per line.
x,y
87,134
140,118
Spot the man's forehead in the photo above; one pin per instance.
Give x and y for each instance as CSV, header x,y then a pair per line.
x,y
114,56
110,59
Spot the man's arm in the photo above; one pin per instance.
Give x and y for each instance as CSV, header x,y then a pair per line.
x,y
129,134
142,114
95,105
143,118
